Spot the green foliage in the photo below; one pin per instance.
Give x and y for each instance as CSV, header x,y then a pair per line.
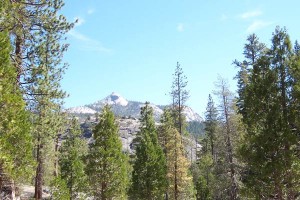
x,y
15,138
207,178
195,128
36,33
149,168
206,183
253,50
230,136
73,149
270,114
106,164
211,123
180,184
179,96
203,192
59,189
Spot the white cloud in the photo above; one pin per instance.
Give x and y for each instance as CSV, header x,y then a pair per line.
x,y
79,20
180,27
89,44
90,11
251,14
256,25
78,36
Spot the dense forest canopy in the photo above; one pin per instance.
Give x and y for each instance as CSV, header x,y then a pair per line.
x,y
247,146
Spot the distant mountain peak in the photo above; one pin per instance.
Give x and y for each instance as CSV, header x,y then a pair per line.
x,y
121,107
81,110
115,99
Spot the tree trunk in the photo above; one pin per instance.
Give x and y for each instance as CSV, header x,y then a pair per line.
x,y
39,173
71,186
103,191
18,53
7,186
179,106
55,173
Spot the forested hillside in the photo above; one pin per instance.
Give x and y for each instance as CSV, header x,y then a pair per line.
x,y
246,147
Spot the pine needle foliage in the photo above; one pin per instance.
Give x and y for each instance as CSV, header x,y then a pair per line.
x,y
180,183
149,168
106,163
16,142
270,112
72,152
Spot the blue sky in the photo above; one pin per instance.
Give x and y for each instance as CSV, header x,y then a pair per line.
x,y
131,47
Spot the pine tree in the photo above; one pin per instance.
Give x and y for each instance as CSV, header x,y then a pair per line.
x,y
16,145
149,168
179,178
46,107
211,123
253,50
37,33
207,177
205,182
27,22
226,103
271,102
179,96
72,151
106,163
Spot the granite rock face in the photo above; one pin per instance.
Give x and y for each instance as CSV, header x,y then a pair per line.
x,y
124,108
128,129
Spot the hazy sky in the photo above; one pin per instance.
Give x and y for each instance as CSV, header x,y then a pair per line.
x,y
131,46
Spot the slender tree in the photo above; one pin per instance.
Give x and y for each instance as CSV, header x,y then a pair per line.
x,y
46,107
106,163
179,96
205,181
226,111
208,177
178,174
211,123
72,151
149,168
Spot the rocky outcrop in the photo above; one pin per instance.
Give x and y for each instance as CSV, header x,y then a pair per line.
x,y
124,108
128,129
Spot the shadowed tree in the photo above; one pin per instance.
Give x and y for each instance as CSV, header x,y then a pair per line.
x,y
16,161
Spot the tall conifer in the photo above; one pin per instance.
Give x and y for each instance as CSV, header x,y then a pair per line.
x,y
16,145
149,168
106,163
37,32
211,123
179,178
179,95
72,166
230,136
271,121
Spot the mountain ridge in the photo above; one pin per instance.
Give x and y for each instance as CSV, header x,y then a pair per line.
x,y
124,108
